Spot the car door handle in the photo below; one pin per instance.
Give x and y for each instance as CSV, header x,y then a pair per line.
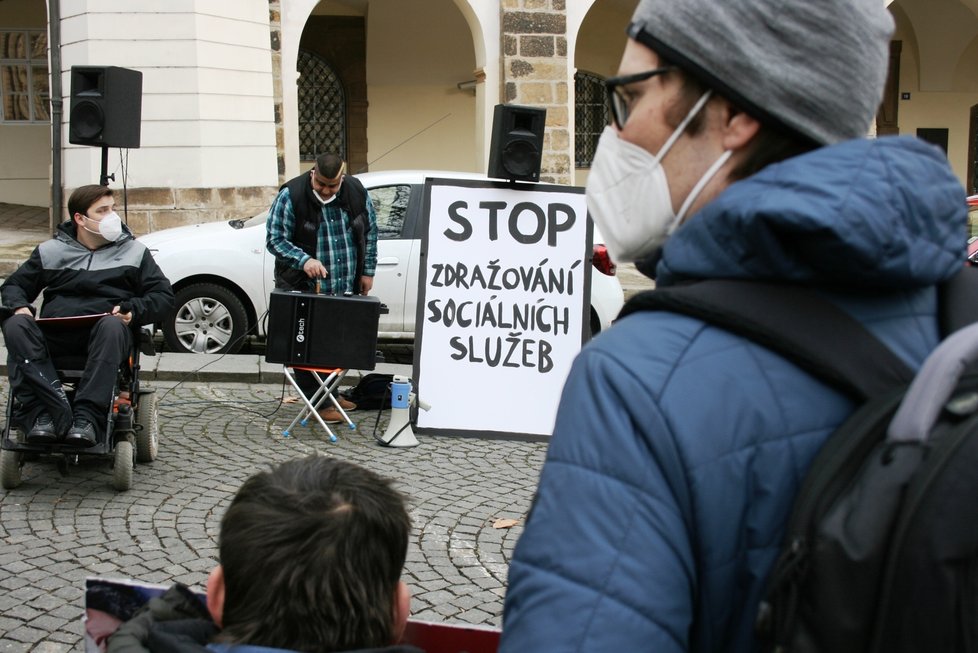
x,y
388,260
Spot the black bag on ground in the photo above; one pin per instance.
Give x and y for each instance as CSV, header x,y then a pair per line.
x,y
881,549
373,392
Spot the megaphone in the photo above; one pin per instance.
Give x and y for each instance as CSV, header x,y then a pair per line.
x,y
399,432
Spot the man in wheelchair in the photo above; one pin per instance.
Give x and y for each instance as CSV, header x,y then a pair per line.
x,y
95,271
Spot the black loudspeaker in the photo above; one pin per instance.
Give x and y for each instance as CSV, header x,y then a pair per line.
x,y
517,142
322,330
106,106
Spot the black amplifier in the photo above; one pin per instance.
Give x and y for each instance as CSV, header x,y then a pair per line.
x,y
322,330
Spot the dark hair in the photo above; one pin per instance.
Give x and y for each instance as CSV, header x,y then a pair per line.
x,y
329,165
84,196
770,145
312,552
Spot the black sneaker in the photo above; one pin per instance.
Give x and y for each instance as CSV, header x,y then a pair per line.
x,y
81,434
43,431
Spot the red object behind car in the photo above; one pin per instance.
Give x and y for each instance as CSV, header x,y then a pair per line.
x,y
972,220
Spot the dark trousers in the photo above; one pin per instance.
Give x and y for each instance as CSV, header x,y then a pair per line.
x,y
307,382
34,355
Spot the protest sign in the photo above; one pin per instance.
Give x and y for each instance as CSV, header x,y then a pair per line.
x,y
504,305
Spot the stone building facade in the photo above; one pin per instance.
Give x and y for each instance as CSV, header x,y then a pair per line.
x,y
224,123
535,72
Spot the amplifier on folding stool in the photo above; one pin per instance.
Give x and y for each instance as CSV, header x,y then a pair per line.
x,y
322,330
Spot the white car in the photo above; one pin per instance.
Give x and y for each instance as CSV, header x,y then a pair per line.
x,y
222,274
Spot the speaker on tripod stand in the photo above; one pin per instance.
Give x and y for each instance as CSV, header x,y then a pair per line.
x,y
105,109
106,106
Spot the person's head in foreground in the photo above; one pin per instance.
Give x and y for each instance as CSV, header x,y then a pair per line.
x,y
311,554
711,92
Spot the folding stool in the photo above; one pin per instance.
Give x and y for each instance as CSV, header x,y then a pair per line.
x,y
328,379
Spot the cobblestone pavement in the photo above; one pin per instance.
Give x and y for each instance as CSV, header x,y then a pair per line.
x,y
56,531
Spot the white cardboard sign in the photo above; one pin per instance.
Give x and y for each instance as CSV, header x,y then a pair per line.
x,y
503,309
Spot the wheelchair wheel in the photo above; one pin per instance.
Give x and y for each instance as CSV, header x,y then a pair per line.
x,y
122,468
9,469
148,427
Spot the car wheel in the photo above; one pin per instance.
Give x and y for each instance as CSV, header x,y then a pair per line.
x,y
208,319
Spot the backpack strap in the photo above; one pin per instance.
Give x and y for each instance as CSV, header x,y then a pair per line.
x,y
793,322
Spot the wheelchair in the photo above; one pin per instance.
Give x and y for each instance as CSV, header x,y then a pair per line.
x,y
130,433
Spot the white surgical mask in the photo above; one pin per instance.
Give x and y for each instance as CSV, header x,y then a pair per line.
x,y
628,193
321,200
316,193
109,227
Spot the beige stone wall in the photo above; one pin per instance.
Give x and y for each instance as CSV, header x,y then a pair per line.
x,y
152,209
535,73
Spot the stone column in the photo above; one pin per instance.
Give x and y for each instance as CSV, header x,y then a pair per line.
x,y
535,73
275,29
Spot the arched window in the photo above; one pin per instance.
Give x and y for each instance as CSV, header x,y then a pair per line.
x,y
24,94
322,108
591,114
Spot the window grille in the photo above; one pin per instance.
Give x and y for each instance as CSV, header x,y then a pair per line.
x,y
24,94
591,114
322,108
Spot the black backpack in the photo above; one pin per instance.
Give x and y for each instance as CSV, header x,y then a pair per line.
x,y
373,392
881,548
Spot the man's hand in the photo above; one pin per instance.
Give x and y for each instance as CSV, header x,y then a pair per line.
x,y
366,285
23,310
314,269
125,317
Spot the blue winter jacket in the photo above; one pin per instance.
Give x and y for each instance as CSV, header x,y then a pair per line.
x,y
678,447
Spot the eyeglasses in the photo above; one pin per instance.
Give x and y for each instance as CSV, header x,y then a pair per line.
x,y
618,99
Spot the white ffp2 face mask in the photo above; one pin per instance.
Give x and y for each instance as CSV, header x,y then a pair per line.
x,y
109,227
321,200
628,193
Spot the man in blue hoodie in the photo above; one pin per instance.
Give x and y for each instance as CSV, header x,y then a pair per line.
x,y
737,151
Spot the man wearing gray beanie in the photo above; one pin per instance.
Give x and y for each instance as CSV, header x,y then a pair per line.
x,y
737,150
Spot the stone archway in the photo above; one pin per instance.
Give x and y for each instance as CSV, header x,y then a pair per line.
x,y
341,42
938,83
405,76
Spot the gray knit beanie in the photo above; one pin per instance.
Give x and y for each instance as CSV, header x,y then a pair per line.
x,y
817,67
